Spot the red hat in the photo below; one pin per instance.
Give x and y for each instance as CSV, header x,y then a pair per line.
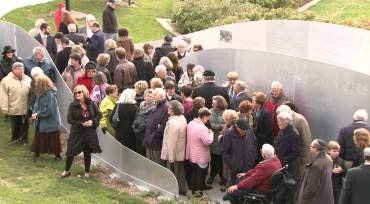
x,y
61,5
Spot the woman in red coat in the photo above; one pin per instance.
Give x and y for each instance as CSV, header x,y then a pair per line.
x,y
58,14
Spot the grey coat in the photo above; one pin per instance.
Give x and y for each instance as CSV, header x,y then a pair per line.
x,y
48,117
141,118
316,186
217,124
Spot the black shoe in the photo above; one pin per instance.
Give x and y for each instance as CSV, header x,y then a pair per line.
x,y
207,188
210,180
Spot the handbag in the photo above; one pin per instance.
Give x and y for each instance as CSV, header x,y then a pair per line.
x,y
115,119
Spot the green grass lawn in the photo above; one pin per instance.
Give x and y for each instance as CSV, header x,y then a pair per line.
x,y
343,9
22,181
139,19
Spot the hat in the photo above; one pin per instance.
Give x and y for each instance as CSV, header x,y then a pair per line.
x,y
242,124
8,48
209,73
168,38
17,64
367,152
61,5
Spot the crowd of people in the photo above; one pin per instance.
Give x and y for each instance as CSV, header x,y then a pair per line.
x,y
177,117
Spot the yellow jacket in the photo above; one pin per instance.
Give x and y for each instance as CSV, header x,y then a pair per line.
x,y
106,107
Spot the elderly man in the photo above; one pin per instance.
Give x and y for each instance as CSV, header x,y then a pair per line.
x,y
274,100
210,89
62,57
163,50
7,61
161,72
110,24
345,136
14,89
95,43
356,185
85,31
316,185
46,40
256,180
155,126
232,78
125,74
301,124
76,38
38,59
240,90
239,149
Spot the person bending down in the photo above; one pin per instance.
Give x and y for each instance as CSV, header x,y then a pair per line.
x,y
256,180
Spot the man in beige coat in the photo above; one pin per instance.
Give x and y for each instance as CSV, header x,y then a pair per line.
x,y
14,89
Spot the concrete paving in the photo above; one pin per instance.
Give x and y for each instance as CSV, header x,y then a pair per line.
x,y
9,5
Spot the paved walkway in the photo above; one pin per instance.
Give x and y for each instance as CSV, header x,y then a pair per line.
x,y
9,5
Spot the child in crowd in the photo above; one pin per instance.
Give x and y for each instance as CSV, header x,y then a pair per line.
x,y
338,169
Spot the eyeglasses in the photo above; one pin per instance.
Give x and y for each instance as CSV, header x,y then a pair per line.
x,y
91,72
77,92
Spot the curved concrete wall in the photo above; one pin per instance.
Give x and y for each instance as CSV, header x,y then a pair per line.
x,y
326,94
124,162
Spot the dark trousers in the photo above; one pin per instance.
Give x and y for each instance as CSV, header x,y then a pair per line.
x,y
178,170
140,149
19,127
336,194
197,177
236,197
216,165
87,160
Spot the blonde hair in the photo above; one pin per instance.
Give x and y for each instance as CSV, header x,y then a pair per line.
x,y
109,44
127,97
166,62
103,59
83,89
78,49
43,83
361,138
140,87
333,145
156,83
230,115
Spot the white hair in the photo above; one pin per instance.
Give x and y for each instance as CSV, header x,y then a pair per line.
x,y
38,50
72,27
36,71
198,68
276,84
241,84
198,78
284,108
287,117
268,151
160,92
160,68
166,62
181,43
127,97
360,115
90,17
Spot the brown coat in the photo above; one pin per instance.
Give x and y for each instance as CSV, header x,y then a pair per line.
x,y
70,76
174,139
128,45
316,186
125,75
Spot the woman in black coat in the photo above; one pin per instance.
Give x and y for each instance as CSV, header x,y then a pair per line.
x,y
144,70
84,117
127,108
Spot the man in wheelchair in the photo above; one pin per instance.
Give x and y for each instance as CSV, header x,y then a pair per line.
x,y
256,180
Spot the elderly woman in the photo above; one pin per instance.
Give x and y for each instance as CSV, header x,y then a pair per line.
x,y
127,108
246,111
140,87
139,125
107,105
144,69
198,80
35,72
98,92
219,105
174,143
156,83
361,138
84,117
165,61
160,72
181,51
101,66
199,139
46,119
288,143
110,49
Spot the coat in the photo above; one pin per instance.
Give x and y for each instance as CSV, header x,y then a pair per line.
x,y
356,185
86,81
76,38
345,140
112,62
63,28
95,45
48,116
337,179
242,96
263,127
98,93
125,133
144,70
259,177
217,124
128,45
14,94
193,113
316,185
125,75
106,108
155,126
208,90
239,152
175,97
46,65
81,137
61,59
161,52
198,140
271,106
6,65
141,118
174,139
105,71
51,46
110,24
70,76
288,145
